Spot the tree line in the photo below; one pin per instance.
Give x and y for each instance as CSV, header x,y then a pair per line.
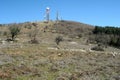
x,y
109,34
107,30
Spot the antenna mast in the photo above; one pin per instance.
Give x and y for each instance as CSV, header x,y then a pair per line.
x,y
57,17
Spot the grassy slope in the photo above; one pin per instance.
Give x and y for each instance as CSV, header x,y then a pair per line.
x,y
33,62
24,61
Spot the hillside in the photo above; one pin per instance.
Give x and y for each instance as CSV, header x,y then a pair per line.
x,y
66,29
35,55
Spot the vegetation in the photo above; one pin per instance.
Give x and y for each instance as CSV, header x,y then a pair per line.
x,y
0,25
33,34
58,39
74,59
108,35
14,31
106,30
38,63
98,48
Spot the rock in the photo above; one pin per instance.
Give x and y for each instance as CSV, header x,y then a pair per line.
x,y
3,42
54,68
59,54
11,42
17,39
77,37
75,43
117,77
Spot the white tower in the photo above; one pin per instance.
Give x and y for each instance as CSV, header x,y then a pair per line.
x,y
47,14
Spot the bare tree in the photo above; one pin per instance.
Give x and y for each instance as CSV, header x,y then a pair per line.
x,y
33,35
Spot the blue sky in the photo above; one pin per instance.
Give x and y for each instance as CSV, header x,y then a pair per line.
x,y
94,12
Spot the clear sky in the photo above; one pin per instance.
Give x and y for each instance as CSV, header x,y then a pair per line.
x,y
94,12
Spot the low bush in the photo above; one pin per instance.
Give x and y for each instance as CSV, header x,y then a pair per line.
x,y
98,48
58,39
34,41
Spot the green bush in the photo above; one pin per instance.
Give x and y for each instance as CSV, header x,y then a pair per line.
x,y
108,35
58,39
14,31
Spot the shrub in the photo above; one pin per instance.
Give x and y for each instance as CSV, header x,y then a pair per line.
x,y
34,41
80,35
33,35
98,48
14,31
5,33
58,39
28,27
1,25
0,32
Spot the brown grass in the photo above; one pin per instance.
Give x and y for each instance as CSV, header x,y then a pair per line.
x,y
37,62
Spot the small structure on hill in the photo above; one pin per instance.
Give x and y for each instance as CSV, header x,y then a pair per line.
x,y
57,17
47,15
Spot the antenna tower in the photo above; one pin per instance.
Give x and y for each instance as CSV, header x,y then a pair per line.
x,y
47,14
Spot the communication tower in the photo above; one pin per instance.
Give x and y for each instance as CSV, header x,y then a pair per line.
x,y
47,14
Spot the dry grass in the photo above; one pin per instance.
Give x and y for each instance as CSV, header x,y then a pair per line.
x,y
24,61
33,62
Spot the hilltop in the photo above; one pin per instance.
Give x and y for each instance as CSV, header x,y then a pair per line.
x,y
69,29
75,35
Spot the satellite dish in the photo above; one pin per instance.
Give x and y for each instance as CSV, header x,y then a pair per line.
x,y
47,8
